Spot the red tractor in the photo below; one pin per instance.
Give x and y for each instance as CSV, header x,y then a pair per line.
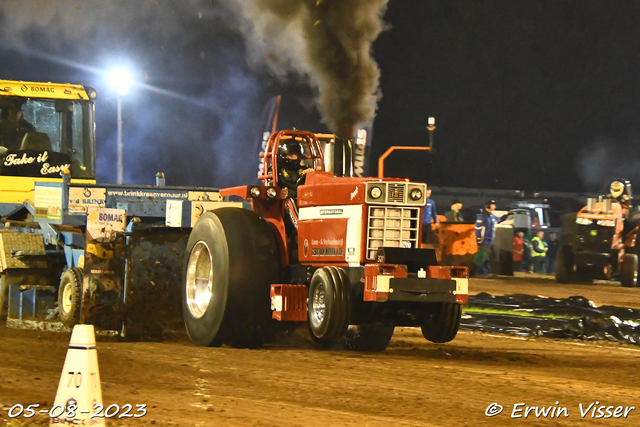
x,y
337,252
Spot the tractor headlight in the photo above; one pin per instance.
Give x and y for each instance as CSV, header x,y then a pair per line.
x,y
583,221
375,192
272,192
255,192
415,194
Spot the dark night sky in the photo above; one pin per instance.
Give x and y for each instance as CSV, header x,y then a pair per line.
x,y
536,95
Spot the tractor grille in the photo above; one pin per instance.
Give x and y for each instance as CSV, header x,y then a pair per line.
x,y
392,226
395,193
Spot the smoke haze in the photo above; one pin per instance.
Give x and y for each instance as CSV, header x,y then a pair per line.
x,y
206,64
604,160
324,42
195,122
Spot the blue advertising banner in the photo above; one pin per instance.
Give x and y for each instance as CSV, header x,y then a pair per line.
x,y
362,146
268,125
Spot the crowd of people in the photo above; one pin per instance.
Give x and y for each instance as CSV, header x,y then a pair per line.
x,y
430,216
531,253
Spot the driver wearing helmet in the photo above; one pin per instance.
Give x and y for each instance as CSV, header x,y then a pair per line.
x,y
620,191
620,195
293,165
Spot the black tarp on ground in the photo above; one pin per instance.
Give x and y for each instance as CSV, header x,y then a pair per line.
x,y
573,317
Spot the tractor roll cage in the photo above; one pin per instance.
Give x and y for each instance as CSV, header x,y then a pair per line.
x,y
270,156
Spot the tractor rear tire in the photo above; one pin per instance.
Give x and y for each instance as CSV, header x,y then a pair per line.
x,y
442,323
328,305
629,273
563,271
230,263
70,297
368,338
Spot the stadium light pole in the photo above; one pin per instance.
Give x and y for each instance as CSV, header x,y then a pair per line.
x,y
121,80
431,127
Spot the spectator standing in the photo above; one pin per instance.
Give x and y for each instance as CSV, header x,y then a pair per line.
x,y
454,214
526,256
485,234
552,252
429,217
518,250
538,252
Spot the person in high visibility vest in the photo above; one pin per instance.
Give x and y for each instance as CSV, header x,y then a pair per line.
x,y
538,252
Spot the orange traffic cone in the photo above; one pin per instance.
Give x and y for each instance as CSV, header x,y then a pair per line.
x,y
79,392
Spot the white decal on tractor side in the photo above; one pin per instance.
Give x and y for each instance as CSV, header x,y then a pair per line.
x,y
316,212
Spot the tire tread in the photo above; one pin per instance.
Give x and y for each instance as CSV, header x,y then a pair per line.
x,y
443,324
74,276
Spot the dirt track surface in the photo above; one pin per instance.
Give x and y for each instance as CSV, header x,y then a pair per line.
x,y
413,383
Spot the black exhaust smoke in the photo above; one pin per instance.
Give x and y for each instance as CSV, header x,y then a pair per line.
x,y
326,41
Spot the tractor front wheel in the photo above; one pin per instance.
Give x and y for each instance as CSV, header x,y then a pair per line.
x,y
442,322
328,304
629,273
564,266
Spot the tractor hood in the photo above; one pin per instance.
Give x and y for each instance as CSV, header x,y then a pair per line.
x,y
324,189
